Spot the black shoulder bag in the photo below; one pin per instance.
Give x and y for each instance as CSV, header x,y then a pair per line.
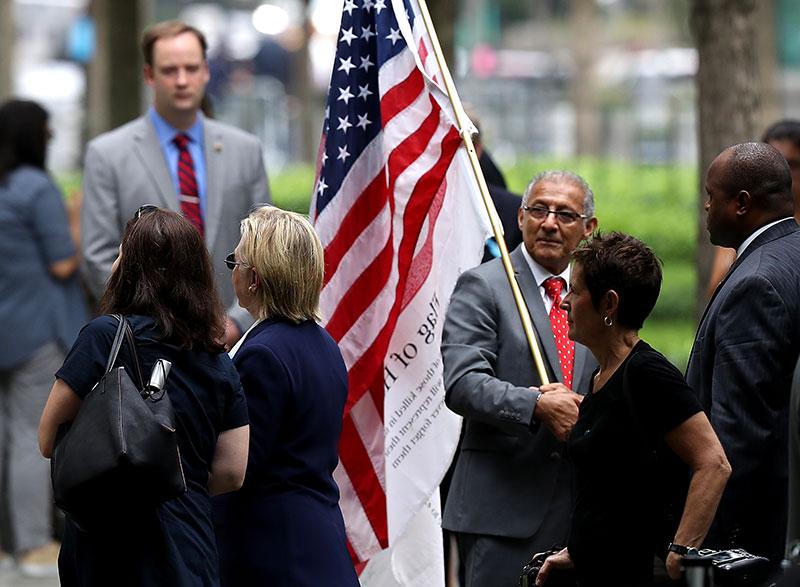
x,y
120,453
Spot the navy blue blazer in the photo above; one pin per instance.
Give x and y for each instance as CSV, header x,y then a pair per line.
x,y
741,367
284,527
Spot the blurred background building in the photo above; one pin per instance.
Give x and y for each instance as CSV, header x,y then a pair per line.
x,y
606,78
636,95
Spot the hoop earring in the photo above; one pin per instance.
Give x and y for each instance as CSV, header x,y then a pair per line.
x,y
608,321
252,288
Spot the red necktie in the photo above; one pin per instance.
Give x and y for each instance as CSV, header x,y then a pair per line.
x,y
187,183
558,322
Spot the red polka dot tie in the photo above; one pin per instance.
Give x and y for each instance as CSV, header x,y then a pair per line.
x,y
187,182
558,322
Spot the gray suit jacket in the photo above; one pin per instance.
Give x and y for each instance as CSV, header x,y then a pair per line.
x,y
125,168
507,479
741,367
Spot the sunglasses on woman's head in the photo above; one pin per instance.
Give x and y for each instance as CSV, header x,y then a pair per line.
x,y
141,210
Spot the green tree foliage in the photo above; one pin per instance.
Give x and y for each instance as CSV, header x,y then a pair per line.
x,y
654,203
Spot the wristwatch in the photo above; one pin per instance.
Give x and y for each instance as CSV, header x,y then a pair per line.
x,y
681,549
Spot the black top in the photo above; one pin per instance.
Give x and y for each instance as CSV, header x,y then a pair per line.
x,y
176,544
618,510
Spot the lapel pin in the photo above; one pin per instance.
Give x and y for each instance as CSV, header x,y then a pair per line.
x,y
218,147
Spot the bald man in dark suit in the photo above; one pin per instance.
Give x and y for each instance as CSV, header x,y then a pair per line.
x,y
748,342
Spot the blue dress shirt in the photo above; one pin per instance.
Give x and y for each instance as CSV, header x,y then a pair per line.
x,y
166,133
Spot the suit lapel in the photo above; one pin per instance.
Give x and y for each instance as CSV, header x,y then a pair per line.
x,y
149,153
214,149
541,321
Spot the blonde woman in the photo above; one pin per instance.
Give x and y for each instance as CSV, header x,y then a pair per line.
x,y
284,526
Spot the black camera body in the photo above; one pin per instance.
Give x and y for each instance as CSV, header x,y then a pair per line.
x,y
731,568
736,567
557,578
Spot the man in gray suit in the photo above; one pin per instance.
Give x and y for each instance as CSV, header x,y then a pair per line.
x,y
511,492
175,158
748,342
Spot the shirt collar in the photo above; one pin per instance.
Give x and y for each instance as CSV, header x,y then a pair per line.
x,y
755,234
166,132
540,274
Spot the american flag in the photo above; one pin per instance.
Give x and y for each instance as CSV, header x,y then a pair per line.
x,y
387,145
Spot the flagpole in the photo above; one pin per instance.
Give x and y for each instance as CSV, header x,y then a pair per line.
x,y
455,101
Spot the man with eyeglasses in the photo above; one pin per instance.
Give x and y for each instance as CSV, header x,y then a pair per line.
x,y
511,493
175,158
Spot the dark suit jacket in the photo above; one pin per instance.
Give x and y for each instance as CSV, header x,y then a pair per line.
x,y
793,531
507,479
741,367
507,205
284,527
491,173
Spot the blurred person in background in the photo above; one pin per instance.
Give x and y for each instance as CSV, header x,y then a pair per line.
x,y
639,418
784,135
505,202
41,310
284,527
163,284
174,157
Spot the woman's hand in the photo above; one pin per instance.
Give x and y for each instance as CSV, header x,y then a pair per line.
x,y
560,560
232,334
674,563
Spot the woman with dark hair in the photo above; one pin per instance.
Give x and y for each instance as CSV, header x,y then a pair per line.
x,y
41,310
634,429
284,527
163,283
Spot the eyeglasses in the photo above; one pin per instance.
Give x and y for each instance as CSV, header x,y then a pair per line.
x,y
563,216
142,210
231,262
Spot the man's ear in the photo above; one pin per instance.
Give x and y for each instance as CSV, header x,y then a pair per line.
x,y
744,202
590,227
147,72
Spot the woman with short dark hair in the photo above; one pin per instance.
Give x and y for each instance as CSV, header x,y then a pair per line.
x,y
634,429
162,282
41,310
284,527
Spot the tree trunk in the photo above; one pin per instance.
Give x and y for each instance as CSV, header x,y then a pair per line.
x,y
303,89
6,49
767,39
728,97
584,48
115,74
